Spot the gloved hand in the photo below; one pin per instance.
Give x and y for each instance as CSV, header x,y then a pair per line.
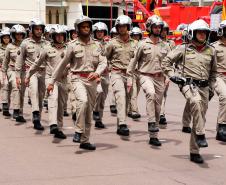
x,y
178,80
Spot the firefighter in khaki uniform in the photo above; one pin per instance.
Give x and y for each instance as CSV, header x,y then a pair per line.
x,y
220,47
18,33
51,55
100,31
113,110
5,40
171,43
29,50
148,59
198,63
133,111
86,65
119,51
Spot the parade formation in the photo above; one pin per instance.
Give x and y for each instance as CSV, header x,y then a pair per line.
x,y
77,68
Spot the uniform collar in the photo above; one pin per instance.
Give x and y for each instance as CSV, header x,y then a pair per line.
x,y
120,40
150,41
91,41
32,40
193,46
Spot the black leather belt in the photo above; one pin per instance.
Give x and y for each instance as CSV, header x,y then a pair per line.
x,y
199,83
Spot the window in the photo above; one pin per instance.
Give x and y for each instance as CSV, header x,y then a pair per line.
x,y
57,17
65,17
50,17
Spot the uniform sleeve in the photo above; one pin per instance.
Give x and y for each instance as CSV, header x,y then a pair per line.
x,y
38,62
6,60
213,72
20,60
133,63
102,65
108,50
172,57
58,72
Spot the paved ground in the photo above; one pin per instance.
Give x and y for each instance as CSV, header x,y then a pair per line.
x,y
28,157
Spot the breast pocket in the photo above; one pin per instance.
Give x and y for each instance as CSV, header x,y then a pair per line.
x,y
30,49
207,61
95,58
190,60
220,56
147,53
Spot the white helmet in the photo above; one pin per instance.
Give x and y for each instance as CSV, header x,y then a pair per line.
x,y
36,22
58,29
136,31
100,26
220,31
113,31
5,31
123,20
198,25
17,29
153,20
83,19
48,28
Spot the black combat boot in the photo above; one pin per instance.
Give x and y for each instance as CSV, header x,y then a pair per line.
x,y
221,133
196,158
36,121
87,146
77,137
123,130
155,142
201,141
113,109
186,130
99,124
162,121
96,116
5,110
152,127
135,115
16,113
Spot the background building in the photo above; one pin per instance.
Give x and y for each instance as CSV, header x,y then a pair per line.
x,y
22,11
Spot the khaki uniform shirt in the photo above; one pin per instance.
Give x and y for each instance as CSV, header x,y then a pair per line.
x,y
199,65
50,56
83,58
27,54
119,53
148,57
10,57
2,54
221,56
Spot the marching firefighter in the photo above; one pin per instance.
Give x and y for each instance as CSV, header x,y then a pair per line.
x,y
198,64
171,43
220,47
51,55
133,111
4,88
29,50
15,95
148,59
86,65
119,51
113,110
100,31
